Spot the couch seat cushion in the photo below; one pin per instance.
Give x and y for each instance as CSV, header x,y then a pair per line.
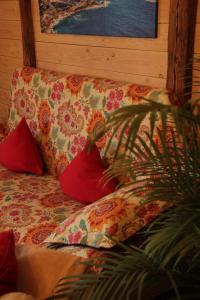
x,y
32,206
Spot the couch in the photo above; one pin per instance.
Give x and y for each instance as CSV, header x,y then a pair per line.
x,y
61,110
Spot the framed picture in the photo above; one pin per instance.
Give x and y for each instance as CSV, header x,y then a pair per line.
x,y
120,18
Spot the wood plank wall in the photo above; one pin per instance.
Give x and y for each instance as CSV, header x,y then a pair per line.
x,y
197,52
10,50
137,60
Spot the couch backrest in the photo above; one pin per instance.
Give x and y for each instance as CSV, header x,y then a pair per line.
x,y
62,110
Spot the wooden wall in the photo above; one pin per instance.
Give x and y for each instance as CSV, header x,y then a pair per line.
x,y
10,50
138,60
197,52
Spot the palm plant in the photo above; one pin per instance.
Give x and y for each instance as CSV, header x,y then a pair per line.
x,y
167,264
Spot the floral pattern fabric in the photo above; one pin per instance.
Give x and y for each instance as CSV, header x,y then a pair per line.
x,y
62,110
32,206
106,222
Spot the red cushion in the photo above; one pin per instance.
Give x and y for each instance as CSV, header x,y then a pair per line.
x,y
8,263
19,152
82,179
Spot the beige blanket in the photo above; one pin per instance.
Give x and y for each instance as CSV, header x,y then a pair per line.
x,y
40,269
16,296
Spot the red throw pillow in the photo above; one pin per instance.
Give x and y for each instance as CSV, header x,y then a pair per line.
x,y
19,152
8,263
82,179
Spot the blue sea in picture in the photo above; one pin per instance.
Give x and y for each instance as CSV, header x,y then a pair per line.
x,y
130,18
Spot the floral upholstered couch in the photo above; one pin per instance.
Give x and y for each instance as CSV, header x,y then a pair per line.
x,y
62,110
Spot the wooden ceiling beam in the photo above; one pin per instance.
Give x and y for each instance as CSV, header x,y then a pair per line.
x,y
182,24
29,57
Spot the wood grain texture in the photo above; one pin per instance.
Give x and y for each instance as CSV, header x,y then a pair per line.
x,y
163,11
11,48
5,80
8,64
180,48
5,101
198,12
5,96
197,34
9,10
4,112
197,39
29,58
129,77
119,60
10,29
196,75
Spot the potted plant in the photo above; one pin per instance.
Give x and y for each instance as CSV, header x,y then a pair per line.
x,y
167,264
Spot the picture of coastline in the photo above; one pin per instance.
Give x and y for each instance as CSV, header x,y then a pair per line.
x,y
130,18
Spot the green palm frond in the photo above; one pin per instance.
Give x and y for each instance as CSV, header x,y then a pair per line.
x,y
174,247
171,169
162,164
129,119
132,274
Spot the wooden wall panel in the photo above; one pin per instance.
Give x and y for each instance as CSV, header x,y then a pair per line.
x,y
111,57
5,80
10,29
9,10
4,94
118,60
4,104
198,12
196,89
8,64
4,113
10,50
197,39
146,80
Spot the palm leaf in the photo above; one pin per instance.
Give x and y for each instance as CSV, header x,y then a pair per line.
x,y
162,164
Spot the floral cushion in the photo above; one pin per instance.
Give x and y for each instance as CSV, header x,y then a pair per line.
x,y
32,206
63,109
106,222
